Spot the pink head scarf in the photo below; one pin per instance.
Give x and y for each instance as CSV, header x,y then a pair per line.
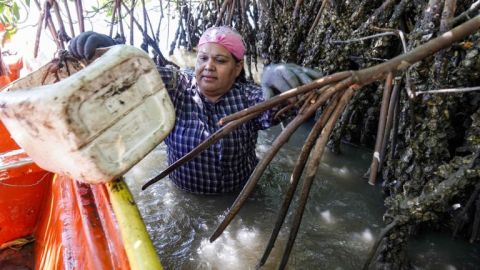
x,y
225,36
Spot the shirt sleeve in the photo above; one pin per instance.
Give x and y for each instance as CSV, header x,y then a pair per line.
x,y
255,96
175,81
169,77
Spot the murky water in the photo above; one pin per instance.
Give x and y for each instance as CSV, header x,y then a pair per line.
x,y
340,223
439,251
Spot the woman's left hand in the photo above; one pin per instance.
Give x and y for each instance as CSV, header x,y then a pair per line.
x,y
278,78
84,45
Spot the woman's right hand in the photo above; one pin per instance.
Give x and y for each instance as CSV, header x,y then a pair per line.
x,y
84,45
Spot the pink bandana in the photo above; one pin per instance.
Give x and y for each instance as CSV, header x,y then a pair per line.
x,y
225,36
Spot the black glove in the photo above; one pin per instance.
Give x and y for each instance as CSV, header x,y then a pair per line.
x,y
84,45
278,78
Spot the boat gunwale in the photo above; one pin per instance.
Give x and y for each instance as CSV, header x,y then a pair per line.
x,y
11,162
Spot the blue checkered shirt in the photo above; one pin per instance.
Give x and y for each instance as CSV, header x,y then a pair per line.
x,y
226,165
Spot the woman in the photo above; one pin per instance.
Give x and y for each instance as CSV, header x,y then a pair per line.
x,y
216,89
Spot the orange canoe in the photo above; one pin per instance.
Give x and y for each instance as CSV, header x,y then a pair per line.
x,y
73,225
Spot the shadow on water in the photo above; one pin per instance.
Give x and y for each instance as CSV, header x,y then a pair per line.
x,y
439,251
341,220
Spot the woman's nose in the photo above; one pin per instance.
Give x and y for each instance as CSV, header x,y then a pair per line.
x,y
209,65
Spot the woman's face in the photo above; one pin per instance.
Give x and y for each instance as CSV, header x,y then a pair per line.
x,y
215,70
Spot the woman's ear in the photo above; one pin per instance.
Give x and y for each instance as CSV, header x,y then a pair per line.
x,y
238,67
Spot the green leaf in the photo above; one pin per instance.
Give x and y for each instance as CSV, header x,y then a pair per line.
x,y
16,11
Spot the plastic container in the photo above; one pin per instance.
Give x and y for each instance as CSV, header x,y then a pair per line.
x,y
93,125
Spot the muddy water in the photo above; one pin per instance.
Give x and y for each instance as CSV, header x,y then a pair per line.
x,y
340,223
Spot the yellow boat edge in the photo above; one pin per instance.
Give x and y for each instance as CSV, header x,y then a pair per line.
x,y
138,245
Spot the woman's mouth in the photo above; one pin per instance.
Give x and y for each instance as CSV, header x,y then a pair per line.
x,y
208,78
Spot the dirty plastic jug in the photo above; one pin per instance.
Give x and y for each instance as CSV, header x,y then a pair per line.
x,y
93,125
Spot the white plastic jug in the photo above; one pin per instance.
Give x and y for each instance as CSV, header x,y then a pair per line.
x,y
95,124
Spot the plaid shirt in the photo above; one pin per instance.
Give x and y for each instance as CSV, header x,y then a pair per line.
x,y
226,165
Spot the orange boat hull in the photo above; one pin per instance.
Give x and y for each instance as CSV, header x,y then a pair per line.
x,y
73,224
77,229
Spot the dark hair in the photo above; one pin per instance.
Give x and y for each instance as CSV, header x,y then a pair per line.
x,y
241,77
